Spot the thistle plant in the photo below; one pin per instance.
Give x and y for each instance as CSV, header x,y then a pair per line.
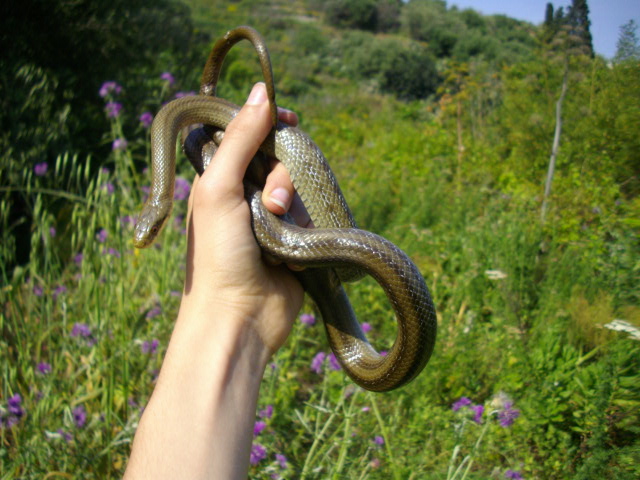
x,y
501,410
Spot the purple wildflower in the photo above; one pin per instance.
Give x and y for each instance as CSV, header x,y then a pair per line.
x,y
478,410
102,235
113,109
14,405
108,87
78,259
267,412
333,362
183,187
378,440
105,171
13,413
383,353
40,169
375,463
113,252
258,427
37,290
366,327
258,453
119,144
508,415
44,368
167,77
150,347
365,409
146,119
512,474
52,232
463,402
81,330
79,416
108,187
59,290
154,312
175,293
66,436
282,460
318,360
307,319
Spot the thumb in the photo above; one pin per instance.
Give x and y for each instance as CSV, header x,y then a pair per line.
x,y
242,138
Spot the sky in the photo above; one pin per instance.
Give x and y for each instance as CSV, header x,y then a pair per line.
x,y
607,16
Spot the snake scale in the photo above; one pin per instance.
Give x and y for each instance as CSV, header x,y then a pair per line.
x,y
334,251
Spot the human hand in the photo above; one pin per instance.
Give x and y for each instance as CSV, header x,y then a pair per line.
x,y
236,311
225,271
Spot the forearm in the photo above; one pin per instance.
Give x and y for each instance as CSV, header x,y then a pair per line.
x,y
198,423
235,313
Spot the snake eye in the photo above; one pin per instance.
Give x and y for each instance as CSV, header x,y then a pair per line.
x,y
154,229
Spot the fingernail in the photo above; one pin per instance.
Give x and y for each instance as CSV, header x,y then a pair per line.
x,y
258,95
285,111
280,196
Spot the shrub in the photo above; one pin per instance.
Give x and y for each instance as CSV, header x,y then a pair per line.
x,y
360,14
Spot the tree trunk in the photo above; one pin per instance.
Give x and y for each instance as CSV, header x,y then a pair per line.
x,y
556,145
460,144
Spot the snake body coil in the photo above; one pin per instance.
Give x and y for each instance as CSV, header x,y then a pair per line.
x,y
335,250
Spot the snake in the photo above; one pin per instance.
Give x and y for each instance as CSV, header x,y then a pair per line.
x,y
332,252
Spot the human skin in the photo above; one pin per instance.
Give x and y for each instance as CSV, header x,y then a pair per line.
x,y
236,311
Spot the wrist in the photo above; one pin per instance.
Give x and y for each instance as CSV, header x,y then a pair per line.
x,y
202,410
219,333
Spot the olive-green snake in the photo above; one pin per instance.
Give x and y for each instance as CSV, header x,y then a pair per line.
x,y
334,250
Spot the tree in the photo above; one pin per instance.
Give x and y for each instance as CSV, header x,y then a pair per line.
x,y
430,22
72,47
553,20
388,15
454,86
568,43
578,19
411,73
548,15
628,47
55,56
361,14
555,146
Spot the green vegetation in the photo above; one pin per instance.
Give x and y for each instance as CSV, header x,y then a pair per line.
x,y
441,143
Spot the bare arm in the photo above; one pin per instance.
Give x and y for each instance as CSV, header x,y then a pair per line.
x,y
235,313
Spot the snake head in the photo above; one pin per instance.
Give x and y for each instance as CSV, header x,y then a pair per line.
x,y
149,224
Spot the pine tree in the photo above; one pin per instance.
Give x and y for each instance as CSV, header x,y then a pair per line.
x,y
579,21
628,46
548,15
559,18
550,26
554,20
